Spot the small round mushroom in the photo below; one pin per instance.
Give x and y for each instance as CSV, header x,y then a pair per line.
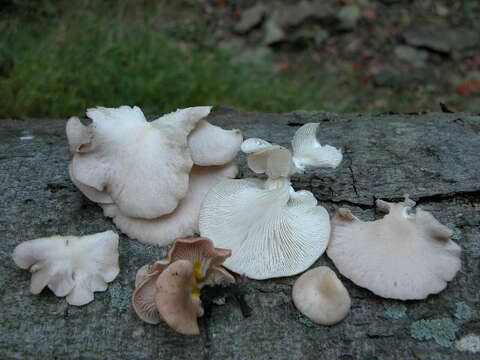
x,y
178,297
403,256
70,266
320,295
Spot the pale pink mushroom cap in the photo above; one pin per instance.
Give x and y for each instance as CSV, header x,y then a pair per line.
x,y
321,296
402,256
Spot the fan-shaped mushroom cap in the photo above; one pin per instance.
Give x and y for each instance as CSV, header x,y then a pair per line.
x,y
70,266
184,220
204,259
272,230
307,151
125,147
177,306
211,145
321,296
402,256
200,252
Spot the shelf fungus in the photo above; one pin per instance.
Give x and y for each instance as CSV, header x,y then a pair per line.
x,y
169,289
320,295
70,266
403,256
272,229
150,177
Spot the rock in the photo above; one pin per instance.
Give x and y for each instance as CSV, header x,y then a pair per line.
x,y
301,38
349,16
383,158
323,11
442,38
250,18
273,33
232,44
414,56
389,76
320,37
293,15
255,56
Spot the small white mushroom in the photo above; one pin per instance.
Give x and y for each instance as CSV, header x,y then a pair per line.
x,y
402,256
272,230
307,151
320,295
211,145
70,266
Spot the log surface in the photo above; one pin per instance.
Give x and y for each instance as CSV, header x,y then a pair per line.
x,y
432,157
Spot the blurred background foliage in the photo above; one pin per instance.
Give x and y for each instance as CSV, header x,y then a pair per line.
x,y
58,58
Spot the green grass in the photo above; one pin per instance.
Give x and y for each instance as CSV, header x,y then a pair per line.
x,y
57,66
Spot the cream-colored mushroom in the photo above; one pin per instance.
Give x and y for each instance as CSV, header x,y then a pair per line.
x,y
142,172
211,145
320,295
70,266
125,147
273,230
403,256
307,151
184,220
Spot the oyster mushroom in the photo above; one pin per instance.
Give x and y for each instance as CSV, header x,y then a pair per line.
x,y
70,266
119,147
179,305
184,220
321,296
403,256
273,230
204,268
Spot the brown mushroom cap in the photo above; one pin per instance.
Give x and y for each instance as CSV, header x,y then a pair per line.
x,y
176,300
321,296
204,261
205,258
402,256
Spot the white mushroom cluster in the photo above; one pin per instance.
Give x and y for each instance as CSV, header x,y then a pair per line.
x,y
174,177
150,177
70,266
272,230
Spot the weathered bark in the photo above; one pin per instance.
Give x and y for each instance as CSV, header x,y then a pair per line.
x,y
435,158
